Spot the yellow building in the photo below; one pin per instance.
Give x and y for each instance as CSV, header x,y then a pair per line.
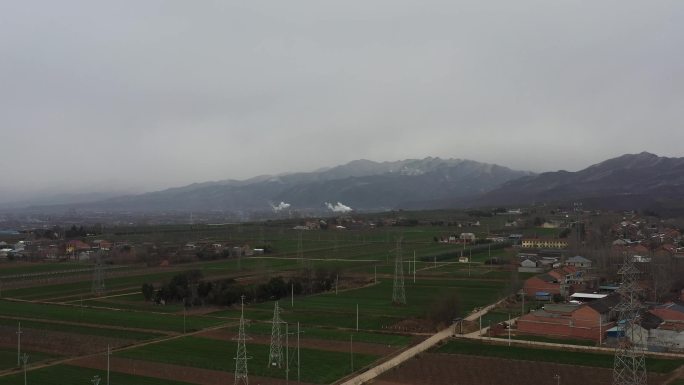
x,y
544,243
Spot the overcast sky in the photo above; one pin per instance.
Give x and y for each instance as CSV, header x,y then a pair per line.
x,y
142,95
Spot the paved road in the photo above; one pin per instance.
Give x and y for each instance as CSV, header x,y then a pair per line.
x,y
411,352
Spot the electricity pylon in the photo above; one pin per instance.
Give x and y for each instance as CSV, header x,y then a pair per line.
x,y
629,367
98,276
398,291
241,358
275,356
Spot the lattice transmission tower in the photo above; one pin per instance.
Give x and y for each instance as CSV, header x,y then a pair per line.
x,y
629,367
275,356
398,291
241,375
98,276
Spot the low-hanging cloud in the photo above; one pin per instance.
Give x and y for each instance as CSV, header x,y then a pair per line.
x,y
280,206
338,208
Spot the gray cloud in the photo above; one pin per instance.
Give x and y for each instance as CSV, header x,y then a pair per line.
x,y
145,95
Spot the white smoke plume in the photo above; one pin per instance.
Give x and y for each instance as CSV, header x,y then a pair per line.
x,y
338,208
280,207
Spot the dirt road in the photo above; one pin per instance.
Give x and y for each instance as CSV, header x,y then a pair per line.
x,y
411,352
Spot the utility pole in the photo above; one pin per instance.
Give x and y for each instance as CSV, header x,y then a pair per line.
x,y
98,276
557,377
351,351
109,353
299,362
300,247
25,359
19,332
287,353
509,329
414,266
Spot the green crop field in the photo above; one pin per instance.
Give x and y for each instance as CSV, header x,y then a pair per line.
x,y
46,267
317,366
64,303
72,375
601,360
8,358
376,310
74,314
80,329
387,339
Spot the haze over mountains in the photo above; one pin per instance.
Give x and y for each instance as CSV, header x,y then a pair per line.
x,y
630,181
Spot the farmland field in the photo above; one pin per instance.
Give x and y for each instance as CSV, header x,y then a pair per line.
x,y
601,360
62,318
67,374
318,366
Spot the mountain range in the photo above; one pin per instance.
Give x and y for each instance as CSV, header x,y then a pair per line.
x,y
630,181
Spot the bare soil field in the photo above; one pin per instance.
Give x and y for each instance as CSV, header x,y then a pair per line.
x,y
329,345
170,372
455,369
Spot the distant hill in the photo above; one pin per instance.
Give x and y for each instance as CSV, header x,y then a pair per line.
x,y
631,181
360,184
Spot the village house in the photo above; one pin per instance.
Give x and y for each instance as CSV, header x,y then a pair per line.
x,y
562,281
584,321
578,262
74,247
468,238
530,265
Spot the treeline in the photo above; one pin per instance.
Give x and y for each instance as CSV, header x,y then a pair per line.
x,y
191,289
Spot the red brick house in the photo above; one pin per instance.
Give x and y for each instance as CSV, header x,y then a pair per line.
x,y
541,283
564,281
587,321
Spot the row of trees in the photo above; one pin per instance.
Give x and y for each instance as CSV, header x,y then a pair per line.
x,y
190,288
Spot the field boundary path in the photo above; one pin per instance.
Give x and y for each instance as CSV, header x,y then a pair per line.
x,y
530,343
411,352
